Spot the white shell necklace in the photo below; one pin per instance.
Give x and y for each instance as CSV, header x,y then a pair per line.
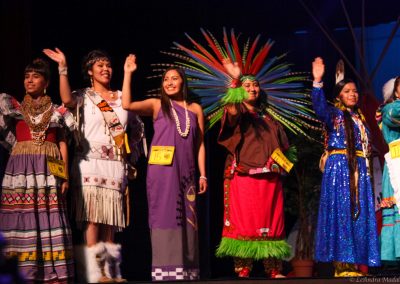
x,y
178,124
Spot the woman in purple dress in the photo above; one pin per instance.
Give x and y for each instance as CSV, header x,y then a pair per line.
x,y
171,183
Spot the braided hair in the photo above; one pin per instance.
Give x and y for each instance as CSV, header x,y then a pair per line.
x,y
351,147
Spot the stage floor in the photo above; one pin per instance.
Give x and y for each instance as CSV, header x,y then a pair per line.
x,y
366,279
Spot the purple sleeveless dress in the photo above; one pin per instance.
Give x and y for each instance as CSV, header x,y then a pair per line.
x,y
171,193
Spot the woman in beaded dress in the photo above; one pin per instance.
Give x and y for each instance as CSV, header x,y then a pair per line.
x,y
388,116
171,183
346,231
99,171
33,216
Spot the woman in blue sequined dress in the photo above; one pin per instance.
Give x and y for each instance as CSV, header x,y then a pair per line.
x,y
346,232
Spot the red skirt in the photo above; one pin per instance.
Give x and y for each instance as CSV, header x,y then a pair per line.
x,y
253,207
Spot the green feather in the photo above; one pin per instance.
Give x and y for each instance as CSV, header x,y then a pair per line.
x,y
253,249
291,154
214,118
235,95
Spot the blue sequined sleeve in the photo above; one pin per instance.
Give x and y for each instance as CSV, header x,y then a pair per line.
x,y
321,107
391,114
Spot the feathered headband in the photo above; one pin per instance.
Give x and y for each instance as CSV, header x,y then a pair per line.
x,y
388,89
339,74
287,100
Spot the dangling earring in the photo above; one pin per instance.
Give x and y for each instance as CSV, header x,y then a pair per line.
x,y
91,80
44,92
338,104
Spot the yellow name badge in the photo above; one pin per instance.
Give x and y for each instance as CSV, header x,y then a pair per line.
x,y
281,160
394,149
127,148
57,167
161,155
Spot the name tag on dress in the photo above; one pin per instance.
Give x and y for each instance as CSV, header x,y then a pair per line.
x,y
161,155
394,149
57,167
281,160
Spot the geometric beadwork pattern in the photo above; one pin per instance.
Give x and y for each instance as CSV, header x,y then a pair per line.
x,y
45,256
178,273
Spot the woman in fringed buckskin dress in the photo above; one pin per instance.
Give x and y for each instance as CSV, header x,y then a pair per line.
x,y
99,171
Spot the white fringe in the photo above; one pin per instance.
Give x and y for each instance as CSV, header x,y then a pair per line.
x,y
394,174
100,205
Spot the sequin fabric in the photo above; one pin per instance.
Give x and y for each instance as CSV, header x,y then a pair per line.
x,y
339,237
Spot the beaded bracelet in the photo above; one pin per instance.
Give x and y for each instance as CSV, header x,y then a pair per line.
x,y
203,177
318,85
63,71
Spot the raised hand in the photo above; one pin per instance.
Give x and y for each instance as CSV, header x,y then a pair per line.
x,y
130,63
232,68
56,55
318,69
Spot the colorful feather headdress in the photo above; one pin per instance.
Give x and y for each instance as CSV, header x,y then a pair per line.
x,y
287,100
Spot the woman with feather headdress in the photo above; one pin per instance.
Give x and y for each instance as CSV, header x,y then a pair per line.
x,y
255,97
346,230
388,117
253,212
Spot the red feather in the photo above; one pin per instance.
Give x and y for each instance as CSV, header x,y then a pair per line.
x,y
226,43
260,58
236,49
213,46
204,51
199,57
250,55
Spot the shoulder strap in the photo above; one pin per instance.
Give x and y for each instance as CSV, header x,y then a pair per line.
x,y
110,117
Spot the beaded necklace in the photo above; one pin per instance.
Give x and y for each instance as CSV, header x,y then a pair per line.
x,y
37,116
364,137
178,124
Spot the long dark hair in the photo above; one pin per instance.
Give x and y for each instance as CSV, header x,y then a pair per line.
x,y
90,59
165,100
351,147
41,66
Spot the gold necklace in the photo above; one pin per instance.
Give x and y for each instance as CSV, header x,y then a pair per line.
x,y
37,116
177,122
